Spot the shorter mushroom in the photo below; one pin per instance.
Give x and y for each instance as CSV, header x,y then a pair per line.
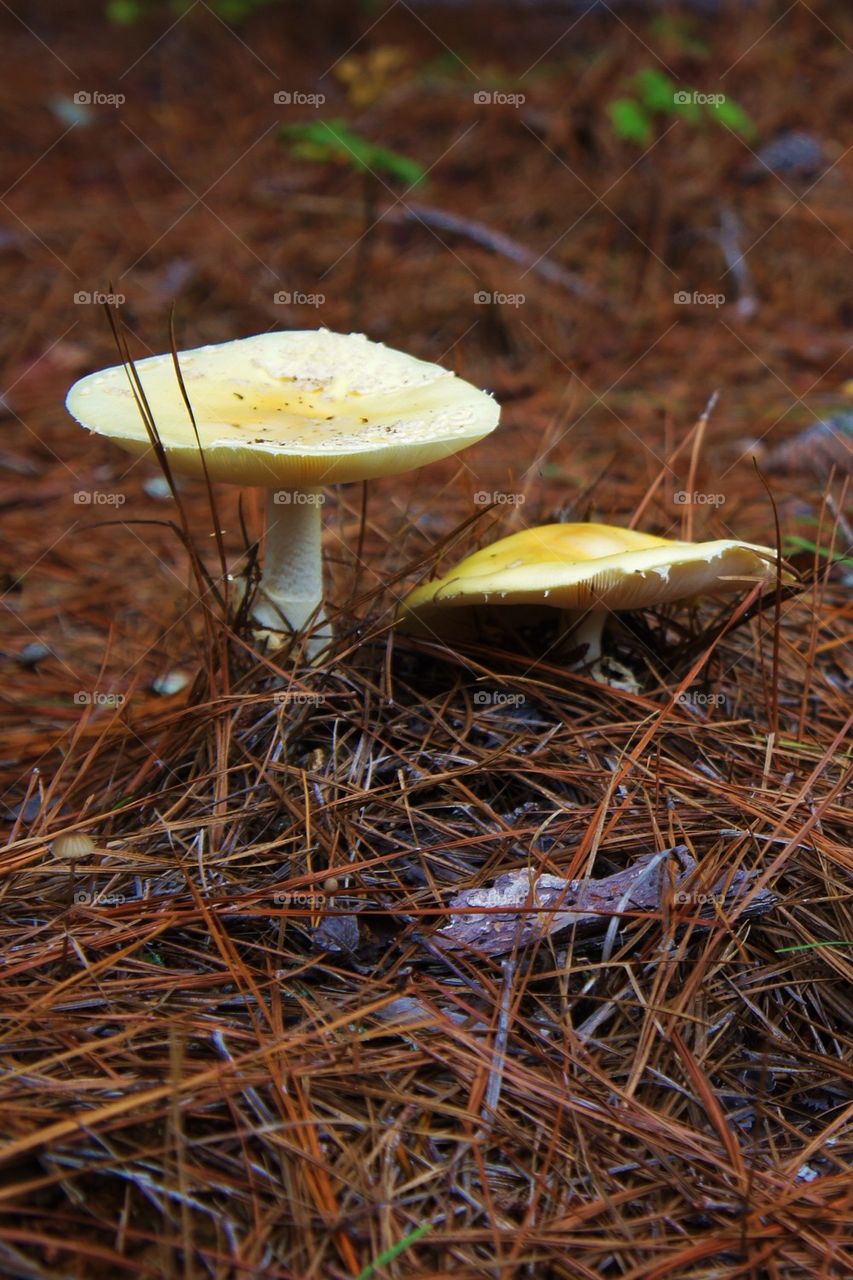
x,y
587,571
73,846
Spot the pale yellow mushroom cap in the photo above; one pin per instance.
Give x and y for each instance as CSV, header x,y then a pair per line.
x,y
585,566
291,410
73,846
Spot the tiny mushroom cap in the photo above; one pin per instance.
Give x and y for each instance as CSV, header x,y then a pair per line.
x,y
290,412
585,570
73,846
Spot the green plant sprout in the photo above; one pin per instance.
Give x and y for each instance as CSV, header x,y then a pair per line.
x,y
656,95
395,1250
809,946
794,543
333,142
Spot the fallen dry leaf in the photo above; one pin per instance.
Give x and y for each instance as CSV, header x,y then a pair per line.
x,y
521,907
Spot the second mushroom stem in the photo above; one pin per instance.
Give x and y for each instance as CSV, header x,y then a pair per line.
x,y
291,588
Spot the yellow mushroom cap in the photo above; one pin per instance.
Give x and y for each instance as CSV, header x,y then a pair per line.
x,y
586,566
292,410
73,846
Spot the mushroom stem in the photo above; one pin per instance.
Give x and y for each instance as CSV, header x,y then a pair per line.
x,y
291,587
578,630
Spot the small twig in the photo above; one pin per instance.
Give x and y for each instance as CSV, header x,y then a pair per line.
x,y
840,519
496,1072
695,454
728,238
503,244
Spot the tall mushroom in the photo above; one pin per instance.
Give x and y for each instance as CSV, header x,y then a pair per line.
x,y
291,412
587,571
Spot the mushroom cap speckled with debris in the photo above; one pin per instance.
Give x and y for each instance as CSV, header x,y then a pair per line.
x,y
586,570
291,410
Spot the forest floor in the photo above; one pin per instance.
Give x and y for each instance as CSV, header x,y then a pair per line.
x,y
231,1044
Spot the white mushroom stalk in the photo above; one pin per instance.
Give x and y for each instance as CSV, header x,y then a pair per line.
x,y
291,589
290,412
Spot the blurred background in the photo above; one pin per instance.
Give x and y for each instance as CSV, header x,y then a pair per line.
x,y
603,213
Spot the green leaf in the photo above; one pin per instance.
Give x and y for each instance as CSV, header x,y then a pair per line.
x,y
332,141
728,113
125,12
656,90
630,121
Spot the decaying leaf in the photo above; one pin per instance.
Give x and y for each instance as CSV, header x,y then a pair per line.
x,y
337,933
522,907
820,447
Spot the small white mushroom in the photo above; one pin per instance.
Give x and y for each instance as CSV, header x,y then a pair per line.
x,y
73,846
